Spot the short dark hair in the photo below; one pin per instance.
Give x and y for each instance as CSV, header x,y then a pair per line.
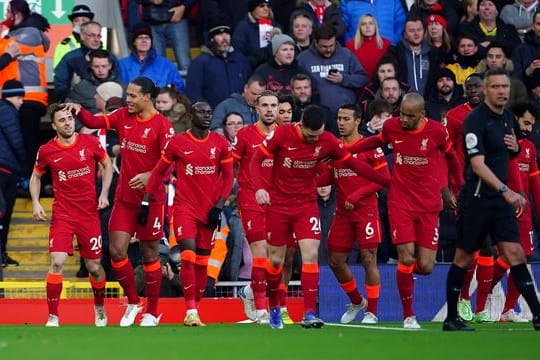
x,y
496,45
256,78
300,77
521,107
267,93
377,107
147,85
54,108
99,54
495,71
224,121
313,117
414,18
468,37
286,99
357,111
324,32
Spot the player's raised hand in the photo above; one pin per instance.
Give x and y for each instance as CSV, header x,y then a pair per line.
x,y
103,202
348,205
510,140
38,213
262,197
139,181
73,108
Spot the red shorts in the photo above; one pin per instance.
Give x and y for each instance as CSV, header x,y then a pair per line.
x,y
186,226
124,218
88,234
526,231
421,228
345,230
286,226
253,223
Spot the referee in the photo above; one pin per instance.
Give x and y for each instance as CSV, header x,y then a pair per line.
x,y
486,205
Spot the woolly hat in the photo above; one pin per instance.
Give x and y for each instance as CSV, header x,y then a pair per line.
x,y
81,10
141,29
109,89
436,18
219,27
445,72
12,88
278,40
252,4
498,4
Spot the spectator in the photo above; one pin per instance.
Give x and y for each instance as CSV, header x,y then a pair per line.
x,y
417,60
74,65
444,96
219,71
487,27
254,31
527,55
175,107
144,61
301,29
27,32
79,15
378,112
214,10
471,10
496,57
169,23
386,68
325,12
278,71
101,69
466,58
390,15
12,157
335,71
302,93
391,92
425,8
243,104
520,14
437,34
367,44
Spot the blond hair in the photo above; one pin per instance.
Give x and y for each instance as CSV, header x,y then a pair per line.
x,y
359,38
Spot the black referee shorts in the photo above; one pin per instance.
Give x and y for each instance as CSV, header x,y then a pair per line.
x,y
479,217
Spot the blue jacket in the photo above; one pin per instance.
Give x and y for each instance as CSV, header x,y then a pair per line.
x,y
234,103
334,95
12,152
73,63
158,68
212,78
390,16
246,40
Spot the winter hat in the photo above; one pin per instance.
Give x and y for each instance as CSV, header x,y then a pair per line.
x,y
436,18
81,10
278,40
252,4
141,29
12,88
497,4
218,28
109,89
445,72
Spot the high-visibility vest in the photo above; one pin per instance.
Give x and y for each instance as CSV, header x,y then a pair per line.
x,y
219,252
28,68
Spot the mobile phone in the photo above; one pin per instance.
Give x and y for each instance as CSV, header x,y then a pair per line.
x,y
333,71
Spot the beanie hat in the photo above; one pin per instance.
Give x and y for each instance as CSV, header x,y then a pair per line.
x,y
252,4
497,4
109,89
141,29
445,72
278,40
218,28
12,88
81,10
436,18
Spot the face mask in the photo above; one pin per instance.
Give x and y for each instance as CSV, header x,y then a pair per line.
x,y
77,29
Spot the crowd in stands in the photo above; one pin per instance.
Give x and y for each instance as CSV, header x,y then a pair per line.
x,y
323,52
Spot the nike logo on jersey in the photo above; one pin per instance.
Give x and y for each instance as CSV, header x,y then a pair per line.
x,y
399,141
154,233
255,146
188,152
127,127
291,148
57,160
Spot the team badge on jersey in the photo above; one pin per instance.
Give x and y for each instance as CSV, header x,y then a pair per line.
x,y
317,151
81,155
424,144
146,132
213,152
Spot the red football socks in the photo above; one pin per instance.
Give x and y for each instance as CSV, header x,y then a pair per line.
x,y
187,275
126,277
352,292
152,285
258,282
309,279
273,278
201,275
484,277
98,287
54,288
373,292
405,283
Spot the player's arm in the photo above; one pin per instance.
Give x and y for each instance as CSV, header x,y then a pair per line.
x,y
534,181
153,188
369,143
35,188
325,175
106,180
359,194
364,170
227,178
87,119
255,167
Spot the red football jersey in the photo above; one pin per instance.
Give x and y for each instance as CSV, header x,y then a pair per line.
x,y
197,165
141,143
526,160
455,118
347,181
246,143
416,182
295,163
73,171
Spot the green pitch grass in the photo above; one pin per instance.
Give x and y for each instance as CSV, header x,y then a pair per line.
x,y
249,341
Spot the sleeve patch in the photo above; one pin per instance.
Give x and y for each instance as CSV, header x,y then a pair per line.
x,y
471,141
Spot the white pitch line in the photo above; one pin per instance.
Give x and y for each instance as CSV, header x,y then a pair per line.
x,y
374,327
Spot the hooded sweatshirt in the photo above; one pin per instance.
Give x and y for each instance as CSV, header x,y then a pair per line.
x,y
518,15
